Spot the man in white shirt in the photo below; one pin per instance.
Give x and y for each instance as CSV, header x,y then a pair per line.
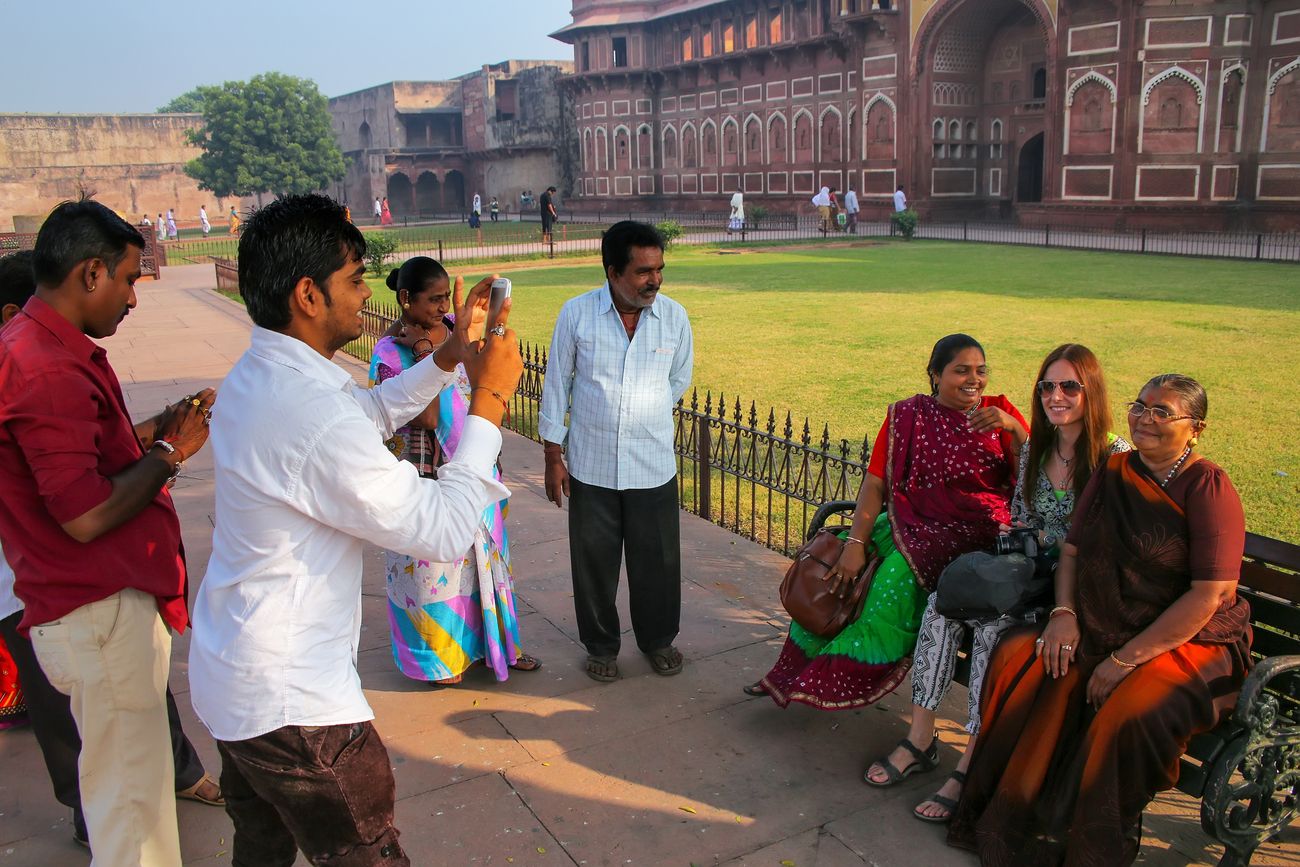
x,y
303,479
620,358
851,210
900,200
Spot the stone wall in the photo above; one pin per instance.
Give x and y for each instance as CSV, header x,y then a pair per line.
x,y
133,163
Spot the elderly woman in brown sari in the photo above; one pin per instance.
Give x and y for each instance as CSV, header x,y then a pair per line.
x,y
1147,647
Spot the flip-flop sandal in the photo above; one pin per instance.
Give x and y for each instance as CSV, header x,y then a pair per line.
x,y
754,689
949,804
192,793
602,668
666,661
526,663
925,761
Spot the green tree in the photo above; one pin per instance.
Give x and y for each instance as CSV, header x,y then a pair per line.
x,y
190,101
270,134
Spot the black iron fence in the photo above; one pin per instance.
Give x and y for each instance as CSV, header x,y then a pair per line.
x,y
760,476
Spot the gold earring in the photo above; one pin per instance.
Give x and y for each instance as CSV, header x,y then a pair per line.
x,y
92,286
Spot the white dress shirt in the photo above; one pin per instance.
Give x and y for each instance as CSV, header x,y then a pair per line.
x,y
851,202
303,479
900,201
618,394
9,603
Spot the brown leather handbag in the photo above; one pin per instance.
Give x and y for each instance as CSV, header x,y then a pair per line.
x,y
806,593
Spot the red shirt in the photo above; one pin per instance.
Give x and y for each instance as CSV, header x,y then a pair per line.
x,y
64,433
876,466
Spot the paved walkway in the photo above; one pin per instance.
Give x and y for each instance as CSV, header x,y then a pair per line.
x,y
550,768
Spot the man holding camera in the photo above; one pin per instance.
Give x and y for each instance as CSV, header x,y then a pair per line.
x,y
620,359
303,480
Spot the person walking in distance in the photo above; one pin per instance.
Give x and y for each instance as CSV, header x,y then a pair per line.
x,y
203,220
620,359
900,199
90,529
549,214
851,209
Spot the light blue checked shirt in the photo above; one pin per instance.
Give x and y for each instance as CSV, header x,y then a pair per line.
x,y
618,394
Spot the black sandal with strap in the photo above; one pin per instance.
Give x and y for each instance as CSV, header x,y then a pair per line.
x,y
950,804
926,760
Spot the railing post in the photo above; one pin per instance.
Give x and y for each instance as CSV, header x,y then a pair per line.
x,y
965,230
551,243
1144,239
440,255
703,449
1047,235
1259,246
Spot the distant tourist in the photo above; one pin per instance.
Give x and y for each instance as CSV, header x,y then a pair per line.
x,y
476,212
822,202
736,220
494,208
172,232
385,215
379,210
851,209
234,221
472,595
549,214
900,199
621,357
146,223
203,220
162,228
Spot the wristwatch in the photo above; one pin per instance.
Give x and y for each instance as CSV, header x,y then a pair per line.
x,y
171,450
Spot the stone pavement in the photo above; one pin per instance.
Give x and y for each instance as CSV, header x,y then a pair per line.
x,y
550,767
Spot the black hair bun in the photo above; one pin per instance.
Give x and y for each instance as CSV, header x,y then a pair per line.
x,y
392,279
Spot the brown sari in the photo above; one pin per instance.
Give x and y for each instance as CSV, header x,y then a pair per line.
x,y
1054,781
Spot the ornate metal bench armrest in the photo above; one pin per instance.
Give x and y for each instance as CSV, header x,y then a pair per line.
x,y
1264,748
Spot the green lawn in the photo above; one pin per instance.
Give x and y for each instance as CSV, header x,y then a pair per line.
x,y
836,333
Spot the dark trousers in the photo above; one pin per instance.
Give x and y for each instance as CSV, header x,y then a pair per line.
x,y
50,712
643,524
327,790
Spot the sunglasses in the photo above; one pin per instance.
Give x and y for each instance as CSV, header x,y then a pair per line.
x,y
1068,387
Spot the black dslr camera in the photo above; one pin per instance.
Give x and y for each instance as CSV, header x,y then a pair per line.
x,y
1024,540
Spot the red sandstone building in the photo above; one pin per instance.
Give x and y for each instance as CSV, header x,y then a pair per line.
x,y
1090,111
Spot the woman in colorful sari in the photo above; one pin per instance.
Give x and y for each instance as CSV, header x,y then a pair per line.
x,y
444,617
938,485
1147,646
1069,437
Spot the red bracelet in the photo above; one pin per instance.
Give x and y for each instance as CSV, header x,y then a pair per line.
x,y
504,404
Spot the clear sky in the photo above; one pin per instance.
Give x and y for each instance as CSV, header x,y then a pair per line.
x,y
91,56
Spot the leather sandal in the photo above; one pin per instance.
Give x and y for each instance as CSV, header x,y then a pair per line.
x,y
192,793
926,760
526,663
666,661
602,668
754,689
949,804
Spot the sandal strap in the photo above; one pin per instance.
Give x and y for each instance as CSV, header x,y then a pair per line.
x,y
926,760
947,803
959,776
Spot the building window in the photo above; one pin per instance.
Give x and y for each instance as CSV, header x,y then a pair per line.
x,y
706,46
729,38
620,51
688,48
774,27
586,57
507,99
751,32
1040,83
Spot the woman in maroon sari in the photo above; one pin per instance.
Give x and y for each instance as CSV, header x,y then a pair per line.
x,y
1148,645
938,485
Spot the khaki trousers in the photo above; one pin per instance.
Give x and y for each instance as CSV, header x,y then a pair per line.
x,y
111,659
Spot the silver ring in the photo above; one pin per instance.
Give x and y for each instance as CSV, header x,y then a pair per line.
x,y
1067,647
1039,641
499,330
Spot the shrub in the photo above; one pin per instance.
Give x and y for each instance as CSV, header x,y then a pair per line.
x,y
379,246
756,215
671,230
905,222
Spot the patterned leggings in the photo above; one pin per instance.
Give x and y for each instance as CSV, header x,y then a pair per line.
x,y
935,658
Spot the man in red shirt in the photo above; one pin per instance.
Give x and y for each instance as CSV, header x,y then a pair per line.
x,y
90,530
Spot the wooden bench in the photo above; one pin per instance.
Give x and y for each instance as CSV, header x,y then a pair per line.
x,y
1247,771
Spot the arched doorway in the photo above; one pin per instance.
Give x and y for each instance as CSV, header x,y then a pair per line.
x,y
984,66
399,194
428,194
1029,171
453,190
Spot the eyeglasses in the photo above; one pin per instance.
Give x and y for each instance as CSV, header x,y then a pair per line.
x,y
1067,386
1159,414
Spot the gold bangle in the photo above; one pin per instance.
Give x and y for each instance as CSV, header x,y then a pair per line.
x,y
1062,609
855,541
1121,663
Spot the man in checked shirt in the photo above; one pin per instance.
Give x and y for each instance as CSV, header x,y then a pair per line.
x,y
620,360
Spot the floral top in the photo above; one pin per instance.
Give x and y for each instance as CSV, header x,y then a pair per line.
x,y
1053,507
